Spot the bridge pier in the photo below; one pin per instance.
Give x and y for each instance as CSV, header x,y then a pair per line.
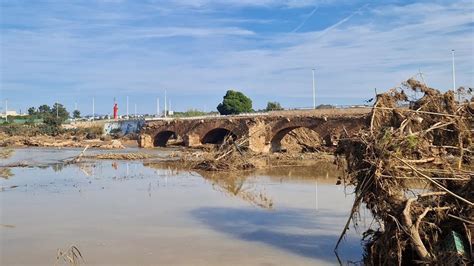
x,y
192,140
145,141
257,134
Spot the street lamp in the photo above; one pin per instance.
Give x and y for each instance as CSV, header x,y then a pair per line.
x,y
454,70
314,90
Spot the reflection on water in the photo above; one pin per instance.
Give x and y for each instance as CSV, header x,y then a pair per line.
x,y
294,230
119,212
237,184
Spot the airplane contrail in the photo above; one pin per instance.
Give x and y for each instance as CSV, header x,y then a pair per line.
x,y
306,20
340,22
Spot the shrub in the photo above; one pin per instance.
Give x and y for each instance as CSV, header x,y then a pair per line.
x,y
273,106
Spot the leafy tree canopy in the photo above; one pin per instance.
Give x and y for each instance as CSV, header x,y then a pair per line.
x,y
325,106
52,116
32,111
235,102
273,106
76,114
44,109
60,112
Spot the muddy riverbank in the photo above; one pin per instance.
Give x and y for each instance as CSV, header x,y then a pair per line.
x,y
64,141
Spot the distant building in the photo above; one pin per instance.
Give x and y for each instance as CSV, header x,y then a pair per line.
x,y
11,113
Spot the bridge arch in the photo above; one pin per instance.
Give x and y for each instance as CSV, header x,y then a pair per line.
x,y
276,140
217,136
283,127
162,137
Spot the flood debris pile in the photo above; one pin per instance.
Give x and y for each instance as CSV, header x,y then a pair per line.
x,y
121,156
230,155
5,153
31,136
413,169
301,140
234,154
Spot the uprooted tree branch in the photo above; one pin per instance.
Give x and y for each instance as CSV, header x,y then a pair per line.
x,y
413,169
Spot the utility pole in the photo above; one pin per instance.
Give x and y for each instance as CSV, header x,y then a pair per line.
x,y
135,111
314,90
157,107
169,105
421,76
75,109
165,103
6,110
127,109
454,75
93,108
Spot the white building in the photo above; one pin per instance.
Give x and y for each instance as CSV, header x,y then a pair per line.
x,y
10,113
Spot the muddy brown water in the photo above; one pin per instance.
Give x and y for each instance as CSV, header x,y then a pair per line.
x,y
126,213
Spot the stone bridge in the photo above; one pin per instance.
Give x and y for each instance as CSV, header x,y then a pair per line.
x,y
264,132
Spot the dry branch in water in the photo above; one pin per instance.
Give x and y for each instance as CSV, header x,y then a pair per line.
x,y
231,155
121,156
5,153
76,159
70,256
419,147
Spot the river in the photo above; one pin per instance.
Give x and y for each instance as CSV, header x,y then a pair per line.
x,y
131,213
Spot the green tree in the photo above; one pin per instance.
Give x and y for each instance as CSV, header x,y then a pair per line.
x,y
43,109
52,120
59,112
325,106
52,124
76,114
31,111
273,106
235,102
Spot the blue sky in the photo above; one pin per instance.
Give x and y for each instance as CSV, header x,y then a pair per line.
x,y
71,50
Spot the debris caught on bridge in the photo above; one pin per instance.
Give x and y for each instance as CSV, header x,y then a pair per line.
x,y
413,169
231,155
302,140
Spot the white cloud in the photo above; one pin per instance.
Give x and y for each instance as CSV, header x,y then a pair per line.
x,y
188,32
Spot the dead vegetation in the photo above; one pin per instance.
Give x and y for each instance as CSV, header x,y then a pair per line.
x,y
121,156
233,155
5,172
230,155
301,140
413,169
58,142
28,136
69,256
5,153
